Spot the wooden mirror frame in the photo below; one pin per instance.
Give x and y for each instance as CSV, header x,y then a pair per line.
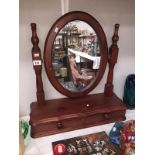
x,y
48,51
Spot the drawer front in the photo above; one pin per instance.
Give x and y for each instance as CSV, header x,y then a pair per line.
x,y
104,117
76,123
59,126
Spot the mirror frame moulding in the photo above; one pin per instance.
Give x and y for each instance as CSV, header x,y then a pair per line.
x,y
48,52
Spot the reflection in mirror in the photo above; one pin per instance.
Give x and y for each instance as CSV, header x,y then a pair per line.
x,y
76,56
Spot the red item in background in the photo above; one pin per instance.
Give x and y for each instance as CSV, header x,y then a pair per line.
x,y
59,149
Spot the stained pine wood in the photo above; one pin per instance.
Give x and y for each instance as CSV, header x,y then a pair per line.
x,y
112,60
36,56
79,110
61,115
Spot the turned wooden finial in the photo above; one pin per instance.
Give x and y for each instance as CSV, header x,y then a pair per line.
x,y
113,55
115,37
34,38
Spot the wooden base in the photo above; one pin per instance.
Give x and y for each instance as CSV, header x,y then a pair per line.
x,y
61,115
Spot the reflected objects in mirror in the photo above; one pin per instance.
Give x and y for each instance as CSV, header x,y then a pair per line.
x,y
76,56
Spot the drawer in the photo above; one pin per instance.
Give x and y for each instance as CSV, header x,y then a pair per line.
x,y
83,121
62,125
103,117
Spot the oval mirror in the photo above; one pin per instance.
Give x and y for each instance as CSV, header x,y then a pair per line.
x,y
75,54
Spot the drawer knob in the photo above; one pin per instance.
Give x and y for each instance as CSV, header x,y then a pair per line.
x,y
87,105
106,116
59,125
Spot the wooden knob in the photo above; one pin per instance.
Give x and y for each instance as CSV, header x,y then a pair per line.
x,y
59,125
87,105
115,37
33,26
106,116
116,27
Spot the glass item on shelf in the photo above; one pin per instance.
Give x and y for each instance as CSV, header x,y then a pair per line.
x,y
24,128
129,91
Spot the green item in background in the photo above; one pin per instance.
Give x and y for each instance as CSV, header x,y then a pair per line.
x,y
129,92
24,128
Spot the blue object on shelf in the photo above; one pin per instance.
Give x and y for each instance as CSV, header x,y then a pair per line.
x,y
115,132
129,91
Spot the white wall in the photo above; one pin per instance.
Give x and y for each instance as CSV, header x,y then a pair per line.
x,y
45,12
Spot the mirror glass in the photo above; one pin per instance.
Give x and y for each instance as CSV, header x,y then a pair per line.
x,y
76,56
